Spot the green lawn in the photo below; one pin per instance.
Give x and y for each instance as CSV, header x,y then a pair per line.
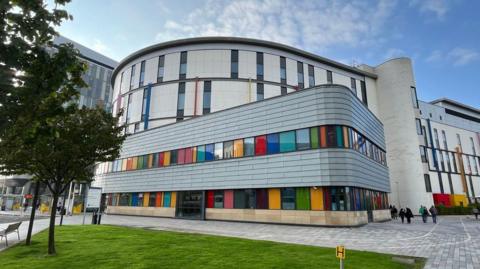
x,y
120,247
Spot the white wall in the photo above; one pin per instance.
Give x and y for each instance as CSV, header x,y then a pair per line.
x,y
172,66
163,101
226,94
271,67
208,63
271,91
292,78
151,69
247,64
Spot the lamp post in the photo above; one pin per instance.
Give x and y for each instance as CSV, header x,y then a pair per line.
x,y
398,196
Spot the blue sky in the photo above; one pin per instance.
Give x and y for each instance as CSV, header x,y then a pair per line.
x,y
442,37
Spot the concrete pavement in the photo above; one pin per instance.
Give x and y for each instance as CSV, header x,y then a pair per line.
x,y
454,242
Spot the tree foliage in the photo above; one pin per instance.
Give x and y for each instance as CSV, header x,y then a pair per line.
x,y
43,133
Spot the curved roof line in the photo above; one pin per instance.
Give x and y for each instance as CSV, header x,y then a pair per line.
x,y
236,40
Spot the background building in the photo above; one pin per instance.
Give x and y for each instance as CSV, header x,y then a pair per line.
x,y
284,135
97,93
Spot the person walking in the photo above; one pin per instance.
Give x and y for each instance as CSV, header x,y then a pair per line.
x,y
395,212
475,212
424,213
408,214
433,212
391,212
402,214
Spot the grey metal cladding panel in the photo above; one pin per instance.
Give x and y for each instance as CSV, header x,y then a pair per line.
x,y
326,167
322,105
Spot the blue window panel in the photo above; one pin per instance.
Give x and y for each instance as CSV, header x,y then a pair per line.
x,y
166,199
209,152
273,143
134,199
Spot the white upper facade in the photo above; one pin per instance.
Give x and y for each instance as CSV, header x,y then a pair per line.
x,y
209,61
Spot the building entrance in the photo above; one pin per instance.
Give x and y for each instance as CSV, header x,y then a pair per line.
x,y
190,205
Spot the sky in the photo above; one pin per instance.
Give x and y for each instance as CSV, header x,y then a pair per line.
x,y
442,37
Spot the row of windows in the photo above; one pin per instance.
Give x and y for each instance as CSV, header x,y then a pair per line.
x,y
234,65
303,198
448,161
328,136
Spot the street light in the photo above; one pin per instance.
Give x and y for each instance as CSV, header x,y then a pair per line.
x,y
398,195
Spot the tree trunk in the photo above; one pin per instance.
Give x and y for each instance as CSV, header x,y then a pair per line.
x,y
32,214
51,228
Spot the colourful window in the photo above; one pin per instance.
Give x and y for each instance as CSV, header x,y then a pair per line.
x,y
323,137
188,155
134,163
158,199
129,163
345,137
209,152
124,164
161,159
228,149
166,199
274,199
249,146
288,198
331,136
166,158
173,157
287,141
339,132
273,145
303,139
155,160
314,138
260,145
218,151
228,199
181,156
210,199
316,198
194,154
201,154
173,199
238,148
302,196
262,198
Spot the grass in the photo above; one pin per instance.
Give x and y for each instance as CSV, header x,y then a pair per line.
x,y
121,247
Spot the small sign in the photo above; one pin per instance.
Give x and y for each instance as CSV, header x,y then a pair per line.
x,y
341,252
28,196
94,197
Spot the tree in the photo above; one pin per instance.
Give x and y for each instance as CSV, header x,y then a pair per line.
x,y
42,131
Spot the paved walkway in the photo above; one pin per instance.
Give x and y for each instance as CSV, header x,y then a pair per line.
x,y
453,243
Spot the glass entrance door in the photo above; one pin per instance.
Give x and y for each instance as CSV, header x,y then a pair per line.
x,y
190,205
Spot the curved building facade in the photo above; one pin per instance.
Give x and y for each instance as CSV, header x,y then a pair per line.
x,y
248,130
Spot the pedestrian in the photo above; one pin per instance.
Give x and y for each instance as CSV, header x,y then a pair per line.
x,y
433,212
408,214
475,212
395,212
424,213
25,205
402,214
391,212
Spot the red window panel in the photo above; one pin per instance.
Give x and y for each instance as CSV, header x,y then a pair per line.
x,y
181,156
160,159
228,199
210,199
260,145
188,155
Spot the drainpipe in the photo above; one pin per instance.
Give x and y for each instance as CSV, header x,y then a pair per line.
x,y
196,93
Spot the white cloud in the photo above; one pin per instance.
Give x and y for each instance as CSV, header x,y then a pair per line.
x,y
311,25
462,56
99,46
437,7
457,56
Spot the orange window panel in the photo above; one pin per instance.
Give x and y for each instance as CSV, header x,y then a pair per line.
x,y
124,164
129,164
166,158
173,199
146,199
158,199
238,148
150,161
134,163
323,137
345,137
316,198
194,152
274,201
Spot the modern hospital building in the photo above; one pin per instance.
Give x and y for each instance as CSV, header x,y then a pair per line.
x,y
224,128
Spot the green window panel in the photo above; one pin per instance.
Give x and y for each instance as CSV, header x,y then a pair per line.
x,y
302,198
339,136
200,154
314,142
287,141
